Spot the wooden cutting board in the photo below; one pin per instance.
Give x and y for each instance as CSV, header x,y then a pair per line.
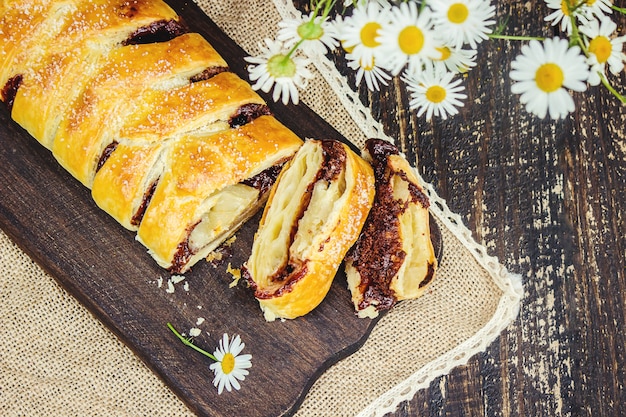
x,y
53,219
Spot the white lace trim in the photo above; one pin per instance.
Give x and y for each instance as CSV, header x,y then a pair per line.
x,y
510,284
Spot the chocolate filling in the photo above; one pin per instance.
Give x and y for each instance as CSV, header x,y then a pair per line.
x,y
334,160
264,180
141,210
207,74
9,91
378,254
428,277
106,154
183,254
247,113
292,272
159,31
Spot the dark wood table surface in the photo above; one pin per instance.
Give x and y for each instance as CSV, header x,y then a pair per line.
x,y
548,198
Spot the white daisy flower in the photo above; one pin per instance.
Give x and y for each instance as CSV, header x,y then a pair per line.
x,y
359,32
544,72
562,14
316,33
434,93
463,21
230,367
409,38
277,68
602,49
456,60
372,74
597,8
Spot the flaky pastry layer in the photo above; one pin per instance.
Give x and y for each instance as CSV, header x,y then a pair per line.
x,y
314,214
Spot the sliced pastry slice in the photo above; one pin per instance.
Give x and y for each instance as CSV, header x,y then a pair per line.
x,y
314,214
394,258
210,186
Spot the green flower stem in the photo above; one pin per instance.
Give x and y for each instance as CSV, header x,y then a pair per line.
x,y
619,9
516,38
327,6
575,38
189,343
613,91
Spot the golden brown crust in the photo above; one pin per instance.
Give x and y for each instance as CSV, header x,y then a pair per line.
x,y
98,114
206,106
314,213
33,31
196,168
146,115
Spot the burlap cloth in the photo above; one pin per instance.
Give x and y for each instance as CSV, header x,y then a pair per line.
x,y
56,359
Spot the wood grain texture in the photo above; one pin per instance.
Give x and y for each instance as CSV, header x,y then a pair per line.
x,y
548,199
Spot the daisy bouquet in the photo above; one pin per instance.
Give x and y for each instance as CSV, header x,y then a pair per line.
x,y
430,46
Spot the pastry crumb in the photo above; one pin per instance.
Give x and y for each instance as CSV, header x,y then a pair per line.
x,y
236,273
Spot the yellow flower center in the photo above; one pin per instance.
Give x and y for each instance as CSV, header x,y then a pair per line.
x,y
368,34
436,94
411,40
228,363
457,13
601,47
567,5
445,53
549,77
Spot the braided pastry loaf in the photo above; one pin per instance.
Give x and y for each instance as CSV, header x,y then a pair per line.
x,y
145,114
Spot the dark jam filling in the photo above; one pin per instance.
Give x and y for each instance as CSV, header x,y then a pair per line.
x,y
207,74
106,154
159,31
183,255
247,113
378,253
9,91
264,180
138,216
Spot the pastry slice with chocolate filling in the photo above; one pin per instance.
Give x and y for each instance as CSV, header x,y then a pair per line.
x,y
314,213
394,258
211,184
